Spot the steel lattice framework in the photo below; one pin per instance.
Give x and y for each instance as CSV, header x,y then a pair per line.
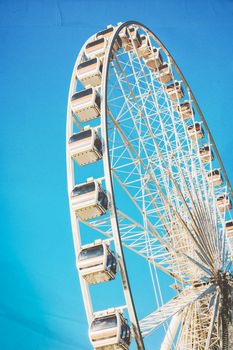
x,y
174,213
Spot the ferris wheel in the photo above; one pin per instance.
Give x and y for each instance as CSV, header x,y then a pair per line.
x,y
144,175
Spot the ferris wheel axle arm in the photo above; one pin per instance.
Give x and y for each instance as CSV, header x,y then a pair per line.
x,y
201,266
174,306
213,318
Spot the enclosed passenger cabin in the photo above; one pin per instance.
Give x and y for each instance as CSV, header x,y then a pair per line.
x,y
107,34
206,154
90,72
89,200
110,331
85,146
96,48
97,263
185,110
164,74
130,38
144,50
154,60
195,131
215,177
86,104
229,228
175,90
224,202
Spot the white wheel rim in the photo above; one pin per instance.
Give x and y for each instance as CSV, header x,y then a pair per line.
x,y
195,199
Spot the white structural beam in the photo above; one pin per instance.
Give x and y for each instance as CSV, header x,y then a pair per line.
x,y
173,306
171,332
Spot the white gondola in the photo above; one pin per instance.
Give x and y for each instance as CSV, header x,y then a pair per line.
x,y
86,104
224,202
110,331
195,131
96,48
85,147
107,33
90,72
229,228
185,110
130,38
154,60
175,90
97,263
206,154
163,73
89,200
215,177
144,50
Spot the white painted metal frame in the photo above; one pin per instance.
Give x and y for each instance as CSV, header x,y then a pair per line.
x,y
149,156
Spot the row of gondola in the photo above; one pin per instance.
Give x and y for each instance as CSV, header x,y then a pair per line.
x,y
97,263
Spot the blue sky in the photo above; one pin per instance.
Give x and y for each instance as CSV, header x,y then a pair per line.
x,y
40,305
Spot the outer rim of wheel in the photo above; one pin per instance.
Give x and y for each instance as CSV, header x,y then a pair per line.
x,y
106,156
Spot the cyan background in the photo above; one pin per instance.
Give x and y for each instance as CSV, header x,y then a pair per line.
x,y
40,302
